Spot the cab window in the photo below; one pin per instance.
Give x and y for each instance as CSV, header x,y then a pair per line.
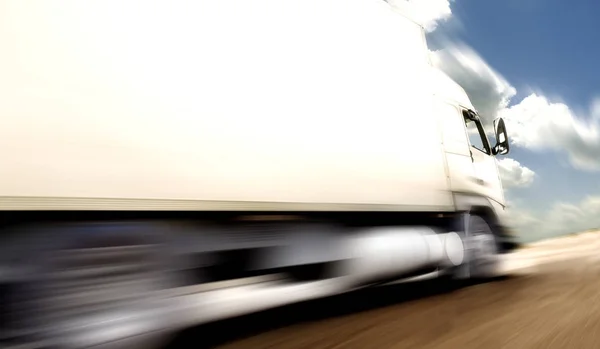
x,y
476,134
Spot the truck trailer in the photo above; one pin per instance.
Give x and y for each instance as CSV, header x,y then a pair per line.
x,y
169,164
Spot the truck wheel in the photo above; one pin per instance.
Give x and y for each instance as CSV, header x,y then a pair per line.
x,y
87,269
483,256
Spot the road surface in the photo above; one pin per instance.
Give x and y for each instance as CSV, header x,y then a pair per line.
x,y
551,301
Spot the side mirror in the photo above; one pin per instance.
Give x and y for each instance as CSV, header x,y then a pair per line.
x,y
502,147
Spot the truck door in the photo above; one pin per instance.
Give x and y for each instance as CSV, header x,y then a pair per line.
x,y
487,178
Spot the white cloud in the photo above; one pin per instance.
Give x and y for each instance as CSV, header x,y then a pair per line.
x,y
526,225
515,175
595,109
489,91
534,123
562,218
429,13
538,124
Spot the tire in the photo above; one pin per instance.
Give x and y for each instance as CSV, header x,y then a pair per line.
x,y
482,249
82,269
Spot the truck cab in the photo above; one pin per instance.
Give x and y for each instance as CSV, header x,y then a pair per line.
x,y
471,150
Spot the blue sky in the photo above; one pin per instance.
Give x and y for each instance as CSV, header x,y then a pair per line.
x,y
532,62
540,43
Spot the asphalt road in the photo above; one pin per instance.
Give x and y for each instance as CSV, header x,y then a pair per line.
x,y
552,300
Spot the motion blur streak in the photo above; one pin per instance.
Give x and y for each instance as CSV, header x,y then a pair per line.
x,y
552,301
125,279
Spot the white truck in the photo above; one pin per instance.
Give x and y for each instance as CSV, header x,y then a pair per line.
x,y
167,164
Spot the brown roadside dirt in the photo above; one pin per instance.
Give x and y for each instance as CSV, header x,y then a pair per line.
x,y
558,306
